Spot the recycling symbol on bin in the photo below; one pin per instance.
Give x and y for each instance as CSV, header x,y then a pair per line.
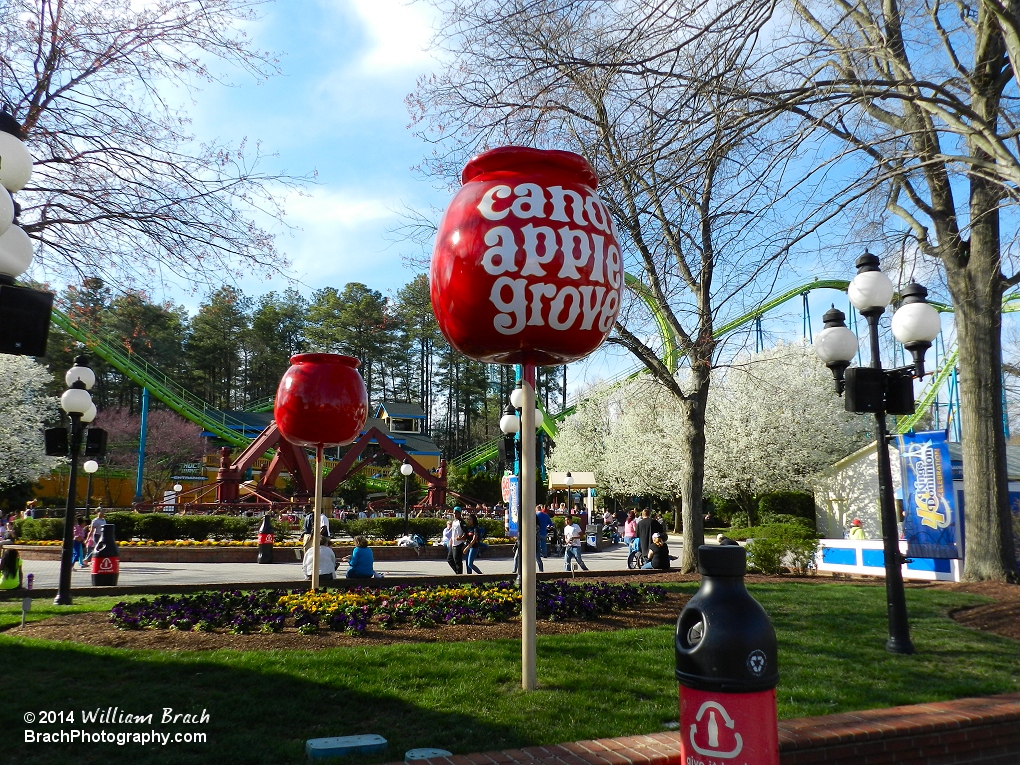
x,y
756,662
712,730
105,564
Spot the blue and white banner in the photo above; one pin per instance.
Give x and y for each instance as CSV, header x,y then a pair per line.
x,y
931,523
511,490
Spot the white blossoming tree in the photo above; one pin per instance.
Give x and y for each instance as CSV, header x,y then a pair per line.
x,y
24,408
627,435
774,421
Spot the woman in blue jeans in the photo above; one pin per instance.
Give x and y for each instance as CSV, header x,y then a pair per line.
x,y
472,543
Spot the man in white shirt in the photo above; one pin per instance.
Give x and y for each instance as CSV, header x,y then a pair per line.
x,y
572,539
455,557
327,561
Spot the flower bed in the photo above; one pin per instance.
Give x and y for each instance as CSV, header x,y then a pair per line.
x,y
389,608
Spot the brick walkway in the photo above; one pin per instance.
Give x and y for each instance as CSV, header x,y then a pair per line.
x,y
961,732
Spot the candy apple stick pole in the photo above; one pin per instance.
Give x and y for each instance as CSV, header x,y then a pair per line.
x,y
316,520
527,531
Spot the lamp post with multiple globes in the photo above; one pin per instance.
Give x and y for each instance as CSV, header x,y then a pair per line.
x,y
77,402
880,392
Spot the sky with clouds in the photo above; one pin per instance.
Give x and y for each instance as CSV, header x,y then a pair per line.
x,y
336,110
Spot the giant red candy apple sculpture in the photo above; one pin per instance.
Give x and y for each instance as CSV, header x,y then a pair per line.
x,y
321,401
527,270
526,265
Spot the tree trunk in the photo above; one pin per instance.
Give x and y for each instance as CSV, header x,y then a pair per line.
x,y
976,289
692,471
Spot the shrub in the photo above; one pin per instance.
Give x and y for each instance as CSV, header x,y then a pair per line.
x,y
738,519
724,509
774,547
37,529
124,523
795,503
155,526
765,556
794,520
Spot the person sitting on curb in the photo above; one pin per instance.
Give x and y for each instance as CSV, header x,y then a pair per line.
x,y
725,541
11,577
327,561
361,560
658,554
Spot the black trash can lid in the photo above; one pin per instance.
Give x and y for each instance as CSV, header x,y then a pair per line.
x,y
722,560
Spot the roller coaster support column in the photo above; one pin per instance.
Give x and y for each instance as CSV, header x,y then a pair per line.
x,y
143,430
526,529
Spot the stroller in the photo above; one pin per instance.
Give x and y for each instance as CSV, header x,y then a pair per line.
x,y
634,557
554,541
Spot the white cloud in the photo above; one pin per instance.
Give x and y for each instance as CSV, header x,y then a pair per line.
x,y
328,208
398,33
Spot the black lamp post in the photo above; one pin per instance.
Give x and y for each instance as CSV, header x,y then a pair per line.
x,y
879,391
90,467
77,402
406,470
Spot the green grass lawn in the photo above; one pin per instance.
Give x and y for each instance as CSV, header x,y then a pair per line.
x,y
466,696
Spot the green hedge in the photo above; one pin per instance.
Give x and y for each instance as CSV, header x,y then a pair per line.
x,y
154,526
776,546
795,503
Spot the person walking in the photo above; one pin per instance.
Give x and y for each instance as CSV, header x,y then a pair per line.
x,y
857,529
572,539
78,542
455,556
542,524
95,534
646,527
472,543
630,528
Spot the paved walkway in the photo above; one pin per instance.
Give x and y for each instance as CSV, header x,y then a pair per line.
x,y
155,574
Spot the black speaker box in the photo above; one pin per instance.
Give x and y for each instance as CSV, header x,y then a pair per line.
x,y
899,395
56,442
95,442
865,390
24,320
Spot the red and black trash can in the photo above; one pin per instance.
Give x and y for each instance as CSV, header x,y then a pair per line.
x,y
727,667
266,540
106,559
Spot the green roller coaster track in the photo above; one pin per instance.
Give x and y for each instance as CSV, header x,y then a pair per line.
x,y
231,430
672,355
160,385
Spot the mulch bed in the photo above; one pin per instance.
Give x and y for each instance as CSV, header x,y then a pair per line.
x,y
1001,618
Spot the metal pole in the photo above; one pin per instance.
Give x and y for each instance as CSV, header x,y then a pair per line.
x,y
316,515
143,429
896,603
88,497
406,478
64,586
526,529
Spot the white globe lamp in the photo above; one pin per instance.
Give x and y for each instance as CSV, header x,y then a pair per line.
x,y
15,162
916,324
870,290
15,251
